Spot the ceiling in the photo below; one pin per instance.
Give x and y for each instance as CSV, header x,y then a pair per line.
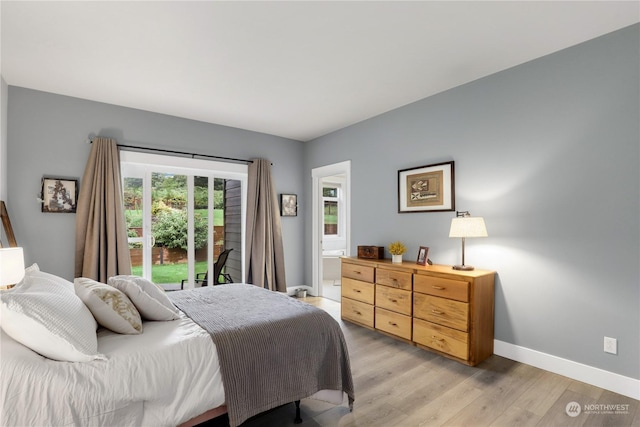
x,y
295,69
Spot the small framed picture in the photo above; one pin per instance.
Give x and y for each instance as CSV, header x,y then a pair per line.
x,y
423,255
59,195
288,205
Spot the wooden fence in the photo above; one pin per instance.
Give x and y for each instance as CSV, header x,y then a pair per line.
x,y
177,255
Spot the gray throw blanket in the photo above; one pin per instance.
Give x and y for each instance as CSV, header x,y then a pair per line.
x,y
273,349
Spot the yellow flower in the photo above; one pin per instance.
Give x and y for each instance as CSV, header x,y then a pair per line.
x,y
397,248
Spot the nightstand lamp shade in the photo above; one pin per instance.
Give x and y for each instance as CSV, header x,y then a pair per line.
x,y
11,266
464,226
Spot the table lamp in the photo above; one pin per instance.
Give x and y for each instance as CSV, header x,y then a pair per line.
x,y
464,225
11,266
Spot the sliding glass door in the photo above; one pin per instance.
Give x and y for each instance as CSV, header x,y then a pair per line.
x,y
177,217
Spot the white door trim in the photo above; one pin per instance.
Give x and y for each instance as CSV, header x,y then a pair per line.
x,y
316,216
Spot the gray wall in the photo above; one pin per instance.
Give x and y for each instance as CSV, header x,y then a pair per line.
x,y
548,153
4,100
46,136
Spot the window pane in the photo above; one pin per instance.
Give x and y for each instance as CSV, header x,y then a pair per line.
x,y
169,227
229,227
200,225
133,216
330,192
330,217
218,216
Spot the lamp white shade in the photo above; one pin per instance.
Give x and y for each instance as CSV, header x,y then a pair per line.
x,y
11,266
468,227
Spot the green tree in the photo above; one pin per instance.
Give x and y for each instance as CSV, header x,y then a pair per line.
x,y
132,193
169,188
170,229
200,197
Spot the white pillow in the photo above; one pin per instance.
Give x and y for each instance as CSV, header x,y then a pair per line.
x,y
32,267
33,271
149,298
110,306
44,314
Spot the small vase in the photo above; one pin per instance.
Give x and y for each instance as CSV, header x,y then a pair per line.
x,y
396,259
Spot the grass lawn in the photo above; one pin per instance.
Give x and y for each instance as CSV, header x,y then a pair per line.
x,y
331,219
330,215
170,273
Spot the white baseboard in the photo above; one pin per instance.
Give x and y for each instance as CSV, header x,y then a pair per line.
x,y
587,374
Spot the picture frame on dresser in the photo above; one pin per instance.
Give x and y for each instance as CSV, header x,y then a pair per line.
x,y
428,188
59,195
423,255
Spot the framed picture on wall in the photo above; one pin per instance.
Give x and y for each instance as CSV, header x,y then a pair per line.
x,y
59,195
288,205
428,188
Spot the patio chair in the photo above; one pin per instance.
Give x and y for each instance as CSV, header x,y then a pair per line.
x,y
203,278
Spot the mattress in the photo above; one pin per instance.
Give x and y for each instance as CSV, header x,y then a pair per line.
x,y
163,377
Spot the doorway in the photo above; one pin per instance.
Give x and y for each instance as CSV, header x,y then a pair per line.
x,y
181,214
331,214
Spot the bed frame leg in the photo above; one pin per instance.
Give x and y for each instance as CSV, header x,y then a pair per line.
x,y
297,419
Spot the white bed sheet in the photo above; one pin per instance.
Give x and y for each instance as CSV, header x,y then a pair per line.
x,y
163,377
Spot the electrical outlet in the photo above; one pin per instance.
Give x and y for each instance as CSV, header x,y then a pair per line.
x,y
610,345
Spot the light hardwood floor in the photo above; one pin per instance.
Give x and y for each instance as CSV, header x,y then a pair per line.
x,y
400,385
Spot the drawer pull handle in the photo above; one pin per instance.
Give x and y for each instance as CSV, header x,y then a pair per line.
x,y
393,300
393,324
357,290
438,341
440,288
357,312
357,272
437,312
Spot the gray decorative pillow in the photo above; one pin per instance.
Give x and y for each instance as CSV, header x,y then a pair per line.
x,y
150,299
110,306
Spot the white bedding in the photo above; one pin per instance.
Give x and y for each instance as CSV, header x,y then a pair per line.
x,y
163,377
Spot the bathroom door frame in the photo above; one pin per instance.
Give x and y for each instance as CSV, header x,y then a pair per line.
x,y
317,175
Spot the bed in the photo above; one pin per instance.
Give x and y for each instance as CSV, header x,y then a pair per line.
x,y
175,372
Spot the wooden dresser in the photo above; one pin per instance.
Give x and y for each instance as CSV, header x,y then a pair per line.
x,y
434,307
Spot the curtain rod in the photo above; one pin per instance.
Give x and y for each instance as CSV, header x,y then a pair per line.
x,y
184,153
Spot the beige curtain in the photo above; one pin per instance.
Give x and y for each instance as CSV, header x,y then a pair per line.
x,y
265,254
102,249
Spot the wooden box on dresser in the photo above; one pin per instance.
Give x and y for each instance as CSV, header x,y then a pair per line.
x,y
434,307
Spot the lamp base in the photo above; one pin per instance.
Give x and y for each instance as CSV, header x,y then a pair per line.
x,y
463,267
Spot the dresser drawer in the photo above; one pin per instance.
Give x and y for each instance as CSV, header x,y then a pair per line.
x,y
358,272
393,323
441,287
454,314
357,311
358,290
394,279
398,300
441,338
